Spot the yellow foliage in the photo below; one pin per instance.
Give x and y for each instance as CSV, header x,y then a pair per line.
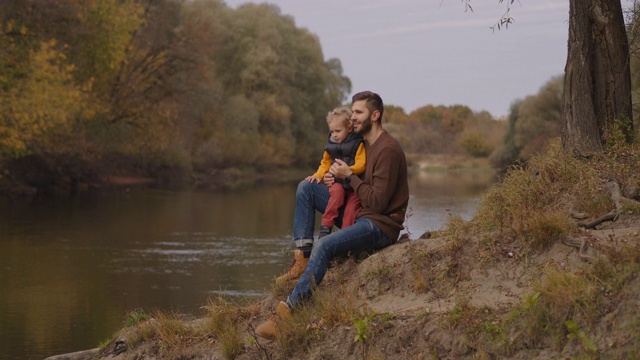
x,y
110,27
42,105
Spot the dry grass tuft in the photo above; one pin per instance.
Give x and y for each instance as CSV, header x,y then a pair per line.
x,y
225,321
532,206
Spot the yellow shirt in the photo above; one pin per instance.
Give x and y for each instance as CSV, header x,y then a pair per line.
x,y
357,167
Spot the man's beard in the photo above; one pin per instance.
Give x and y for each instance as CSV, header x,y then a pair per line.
x,y
365,126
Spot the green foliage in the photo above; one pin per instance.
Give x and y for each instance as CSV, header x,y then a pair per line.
x,y
507,154
363,328
576,333
363,331
135,317
259,42
617,134
108,29
532,123
540,119
14,54
475,144
560,297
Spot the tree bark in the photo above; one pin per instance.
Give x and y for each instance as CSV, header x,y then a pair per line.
x,y
597,85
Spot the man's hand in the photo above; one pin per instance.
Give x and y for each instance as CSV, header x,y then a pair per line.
x,y
340,169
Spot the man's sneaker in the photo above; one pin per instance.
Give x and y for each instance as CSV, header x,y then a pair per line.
x,y
324,231
296,269
269,328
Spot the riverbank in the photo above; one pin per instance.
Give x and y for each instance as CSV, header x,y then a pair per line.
x,y
36,179
547,269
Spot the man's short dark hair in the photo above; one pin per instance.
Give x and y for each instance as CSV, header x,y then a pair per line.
x,y
372,100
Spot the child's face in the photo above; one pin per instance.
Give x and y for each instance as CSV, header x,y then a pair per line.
x,y
339,130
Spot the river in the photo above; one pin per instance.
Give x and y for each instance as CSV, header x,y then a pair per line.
x,y
71,269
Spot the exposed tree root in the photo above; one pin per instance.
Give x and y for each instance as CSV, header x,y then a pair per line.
x,y
616,196
610,216
582,244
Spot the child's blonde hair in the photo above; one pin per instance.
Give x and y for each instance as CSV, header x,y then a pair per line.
x,y
341,113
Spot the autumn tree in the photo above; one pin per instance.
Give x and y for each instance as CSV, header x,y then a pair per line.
x,y
482,134
451,130
597,81
152,85
43,109
395,122
268,66
66,56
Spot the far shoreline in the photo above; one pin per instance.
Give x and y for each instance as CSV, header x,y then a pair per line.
x,y
231,179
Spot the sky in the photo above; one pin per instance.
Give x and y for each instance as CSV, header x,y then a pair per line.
x,y
433,52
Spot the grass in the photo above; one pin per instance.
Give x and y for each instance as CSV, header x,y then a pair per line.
x,y
135,317
530,210
224,322
442,272
564,306
531,206
540,320
380,275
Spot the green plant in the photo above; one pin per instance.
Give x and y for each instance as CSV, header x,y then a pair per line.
x,y
576,333
363,331
135,317
457,231
559,297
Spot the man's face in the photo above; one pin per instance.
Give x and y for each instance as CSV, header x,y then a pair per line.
x,y
361,117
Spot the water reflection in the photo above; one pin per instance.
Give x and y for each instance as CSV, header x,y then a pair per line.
x,y
71,269
436,196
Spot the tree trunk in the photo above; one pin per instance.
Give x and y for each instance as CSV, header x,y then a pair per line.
x,y
597,83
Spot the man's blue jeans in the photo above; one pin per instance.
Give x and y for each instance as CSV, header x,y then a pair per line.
x,y
364,235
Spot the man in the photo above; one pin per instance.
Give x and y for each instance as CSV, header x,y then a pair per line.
x,y
384,193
